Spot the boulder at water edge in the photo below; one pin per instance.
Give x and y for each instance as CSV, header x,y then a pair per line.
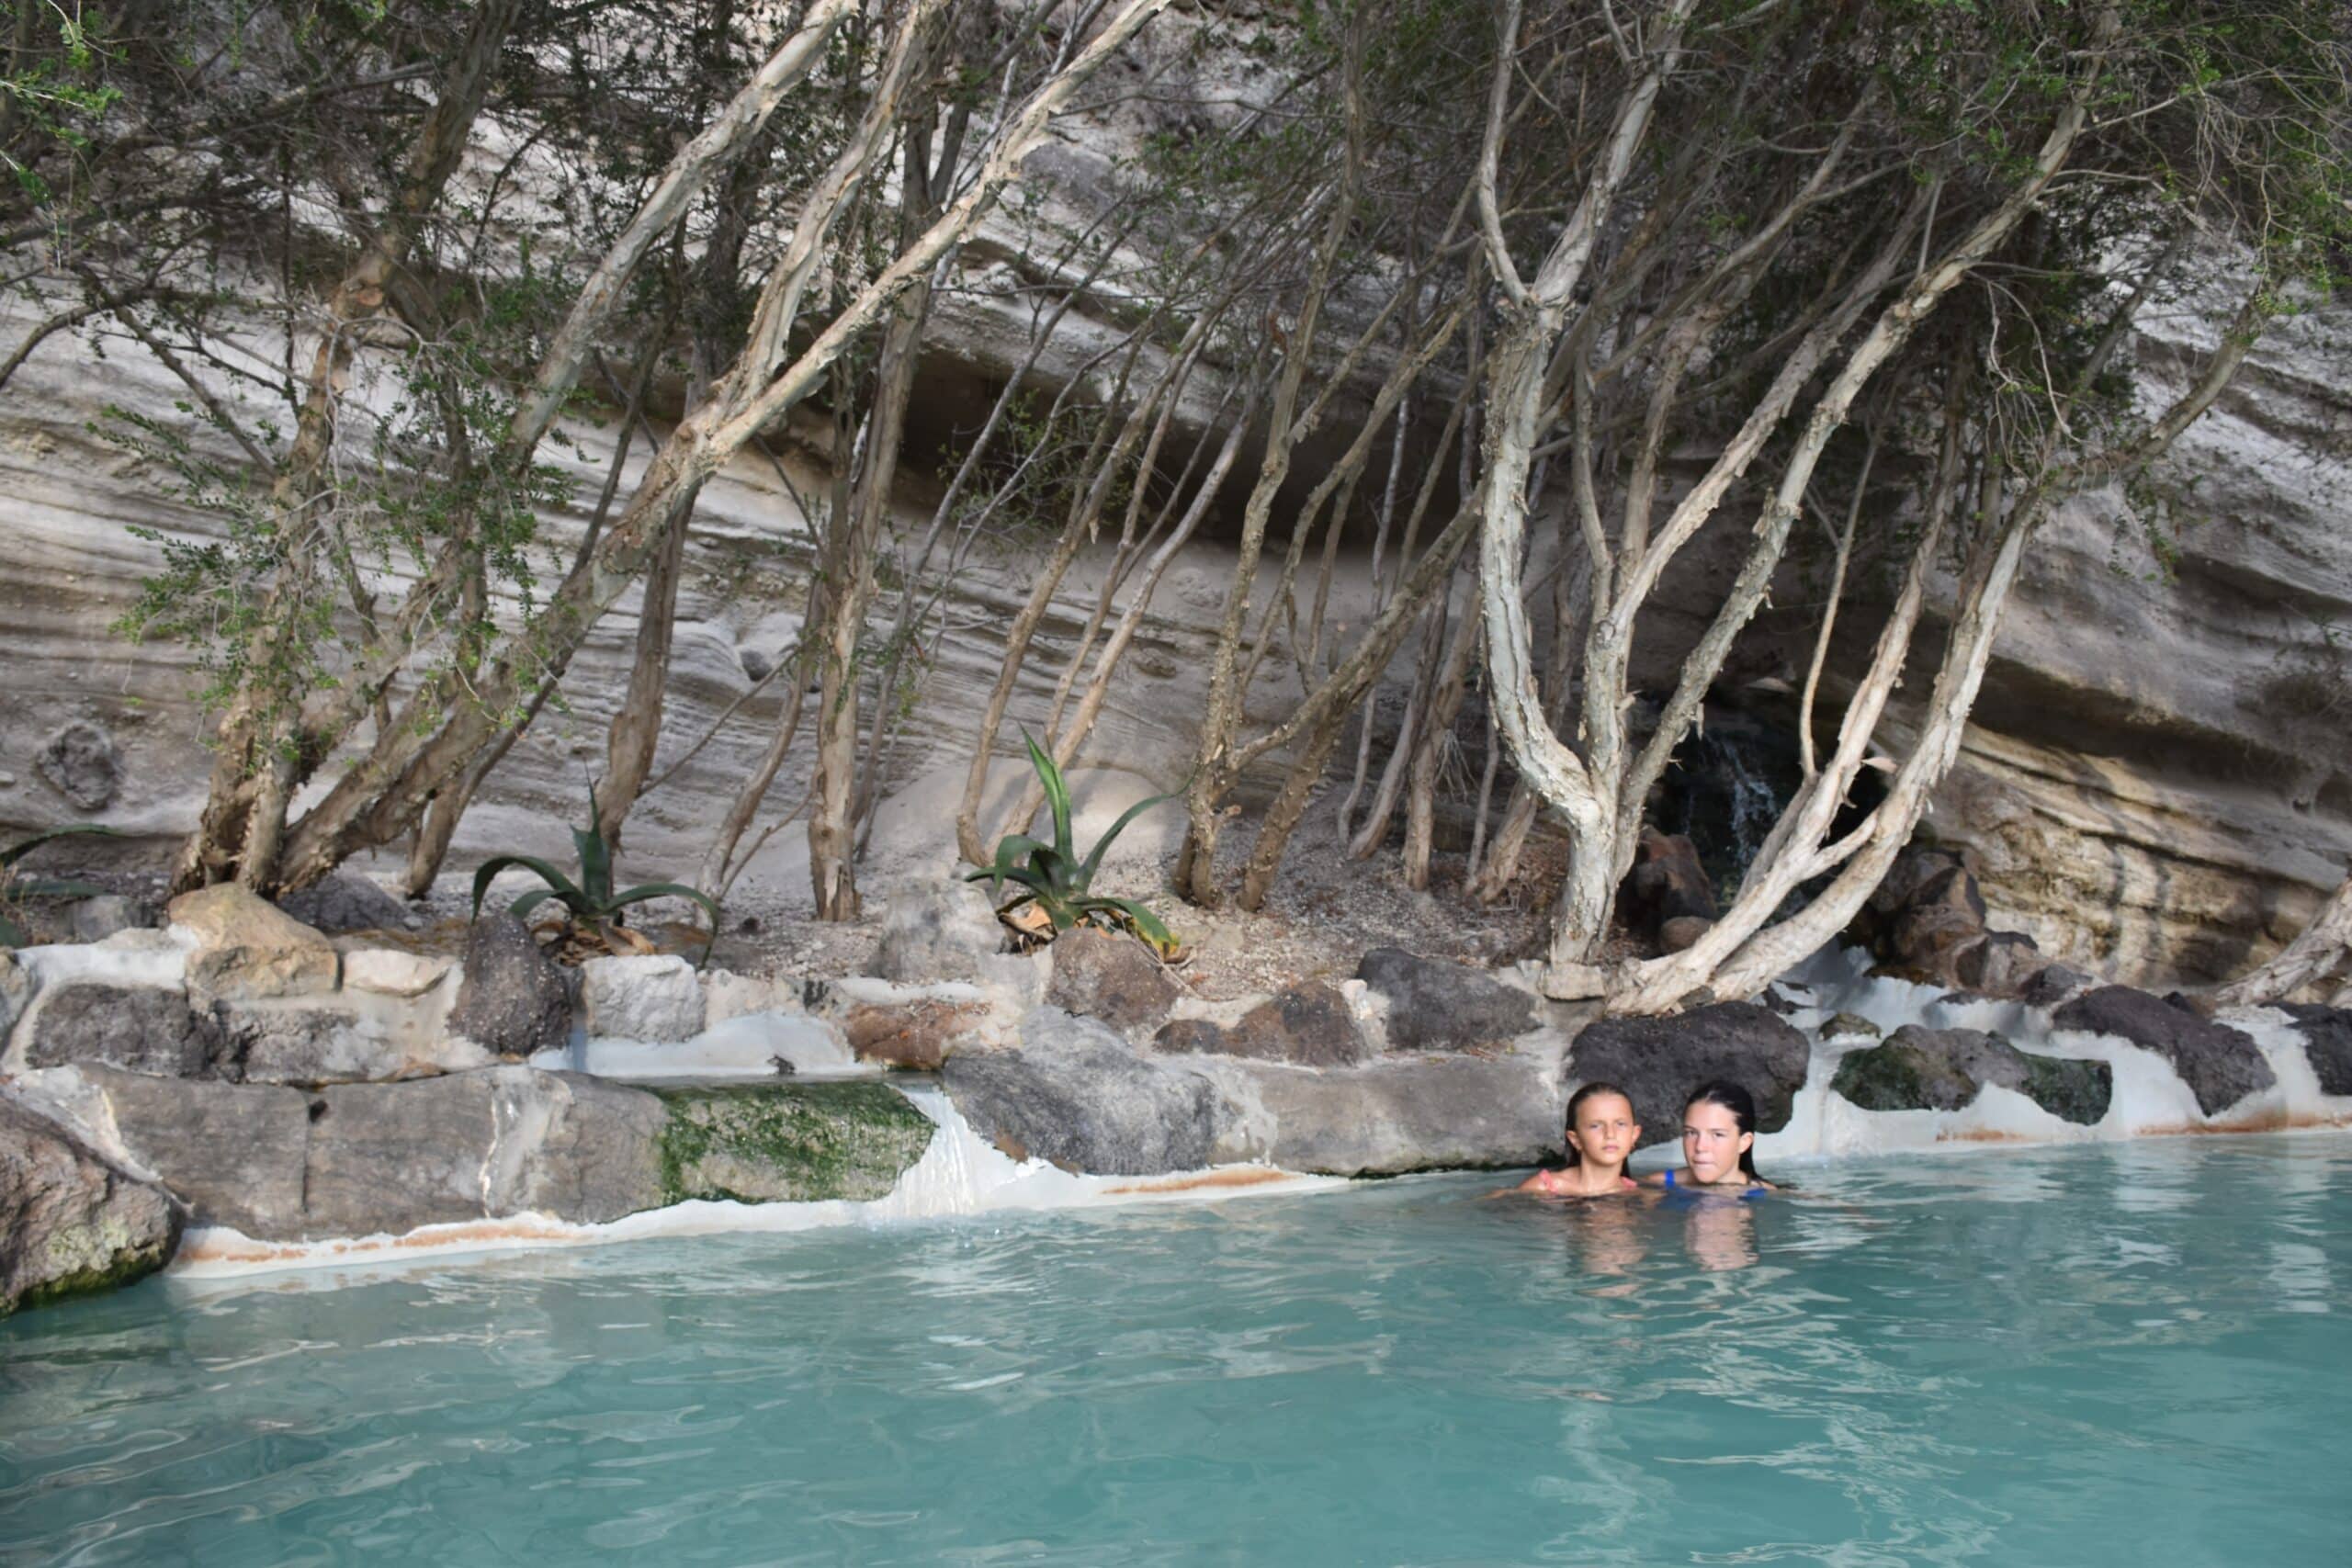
x,y
1073,1092
70,1223
1388,1116
366,1159
514,1000
1437,1006
1658,1061
788,1141
2327,1042
1944,1069
2220,1066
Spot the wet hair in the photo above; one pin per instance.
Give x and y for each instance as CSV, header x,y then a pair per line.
x,y
1576,1104
1740,1102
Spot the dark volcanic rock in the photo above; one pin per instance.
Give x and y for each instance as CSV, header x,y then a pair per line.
x,y
1666,885
136,1028
2053,984
1180,1036
2327,1042
2221,1065
347,903
1114,979
514,1000
1308,1026
2000,965
1658,1061
1945,1069
1437,1006
70,1223
1073,1093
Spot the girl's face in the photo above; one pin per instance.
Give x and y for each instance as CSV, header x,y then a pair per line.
x,y
1605,1132
1711,1141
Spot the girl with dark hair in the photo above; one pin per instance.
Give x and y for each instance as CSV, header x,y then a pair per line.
x,y
1718,1143
1602,1133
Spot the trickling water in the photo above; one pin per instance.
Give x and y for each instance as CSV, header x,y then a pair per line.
x,y
2149,1096
1726,791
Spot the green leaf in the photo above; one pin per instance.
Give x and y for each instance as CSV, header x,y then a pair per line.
x,y
521,908
1094,856
557,882
595,858
12,934
1008,853
1145,924
638,895
18,852
51,887
1057,796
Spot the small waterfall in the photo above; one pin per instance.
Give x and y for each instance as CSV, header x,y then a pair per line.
x,y
2149,1097
1725,792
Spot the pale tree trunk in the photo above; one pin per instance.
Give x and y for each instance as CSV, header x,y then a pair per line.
x,y
2321,954
379,797
1430,748
850,567
1515,377
256,768
1711,968
1197,878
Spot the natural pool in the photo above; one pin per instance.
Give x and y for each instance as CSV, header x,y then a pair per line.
x,y
2109,1353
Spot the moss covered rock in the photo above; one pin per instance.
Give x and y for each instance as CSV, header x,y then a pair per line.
x,y
769,1143
70,1224
1945,1069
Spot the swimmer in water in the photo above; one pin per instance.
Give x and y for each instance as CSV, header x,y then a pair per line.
x,y
1718,1144
1601,1135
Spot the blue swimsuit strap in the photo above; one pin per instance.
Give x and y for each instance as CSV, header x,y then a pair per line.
x,y
1750,1192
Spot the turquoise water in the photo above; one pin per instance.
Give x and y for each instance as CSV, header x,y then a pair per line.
x,y
2118,1354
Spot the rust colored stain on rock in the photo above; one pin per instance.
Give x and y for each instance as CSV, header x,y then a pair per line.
x,y
911,1034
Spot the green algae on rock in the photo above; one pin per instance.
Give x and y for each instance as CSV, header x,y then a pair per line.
x,y
796,1143
1945,1069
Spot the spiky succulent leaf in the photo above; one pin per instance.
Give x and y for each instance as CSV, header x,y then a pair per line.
x,y
24,847
1056,797
595,857
557,882
1134,917
1009,850
1085,878
53,888
645,891
521,908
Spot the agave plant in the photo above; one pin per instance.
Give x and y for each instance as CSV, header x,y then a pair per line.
x,y
591,901
1059,884
13,889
